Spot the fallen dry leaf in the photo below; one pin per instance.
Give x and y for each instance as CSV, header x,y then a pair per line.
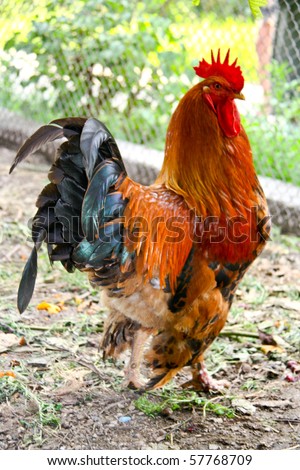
x,y
267,348
84,305
39,362
78,300
266,338
7,373
244,406
70,387
22,341
14,363
50,308
8,341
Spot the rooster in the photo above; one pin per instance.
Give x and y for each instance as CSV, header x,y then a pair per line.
x,y
168,257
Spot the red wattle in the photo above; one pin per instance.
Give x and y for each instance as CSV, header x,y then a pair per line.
x,y
229,118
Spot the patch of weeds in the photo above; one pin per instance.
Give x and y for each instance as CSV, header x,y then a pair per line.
x,y
235,313
148,407
47,412
255,289
72,281
219,353
293,294
20,329
88,398
251,384
88,324
290,241
292,337
13,231
154,403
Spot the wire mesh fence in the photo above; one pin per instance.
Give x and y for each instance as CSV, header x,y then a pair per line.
x,y
129,62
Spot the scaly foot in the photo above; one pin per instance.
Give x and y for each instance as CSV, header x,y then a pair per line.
x,y
203,381
132,378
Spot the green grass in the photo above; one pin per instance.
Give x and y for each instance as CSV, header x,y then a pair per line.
x,y
276,148
47,413
291,242
159,402
255,289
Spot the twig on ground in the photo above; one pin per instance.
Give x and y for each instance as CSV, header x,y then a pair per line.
x,y
247,334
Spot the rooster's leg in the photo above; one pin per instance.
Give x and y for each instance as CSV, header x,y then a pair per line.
x,y
132,371
203,381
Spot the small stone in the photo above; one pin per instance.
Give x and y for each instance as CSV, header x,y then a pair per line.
x,y
213,446
124,419
166,412
245,368
244,406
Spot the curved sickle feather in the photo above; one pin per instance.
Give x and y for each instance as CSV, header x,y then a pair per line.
x,y
27,283
53,131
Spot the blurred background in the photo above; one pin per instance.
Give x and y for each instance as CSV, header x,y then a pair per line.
x,y
129,62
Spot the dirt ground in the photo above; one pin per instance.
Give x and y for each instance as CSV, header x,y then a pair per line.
x,y
57,393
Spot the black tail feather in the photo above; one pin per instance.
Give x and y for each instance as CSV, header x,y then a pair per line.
x,y
27,283
79,212
53,131
97,145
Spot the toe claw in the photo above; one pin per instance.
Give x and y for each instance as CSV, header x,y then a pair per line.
x,y
203,381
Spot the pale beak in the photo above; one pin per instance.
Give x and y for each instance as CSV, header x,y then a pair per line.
x,y
239,96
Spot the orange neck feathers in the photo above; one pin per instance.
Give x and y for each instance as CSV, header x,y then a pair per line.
x,y
213,173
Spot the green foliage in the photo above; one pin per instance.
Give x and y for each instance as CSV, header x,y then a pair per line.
x,y
285,97
275,139
231,7
129,62
255,6
47,412
98,58
125,62
155,403
275,147
224,9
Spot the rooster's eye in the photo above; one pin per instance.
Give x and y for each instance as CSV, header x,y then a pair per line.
x,y
218,86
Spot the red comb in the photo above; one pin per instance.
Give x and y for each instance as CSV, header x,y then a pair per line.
x,y
231,73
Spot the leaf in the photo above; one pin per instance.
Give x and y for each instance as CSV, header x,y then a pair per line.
x,y
243,406
10,43
8,341
22,341
266,349
7,373
266,338
39,362
72,386
255,6
50,308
